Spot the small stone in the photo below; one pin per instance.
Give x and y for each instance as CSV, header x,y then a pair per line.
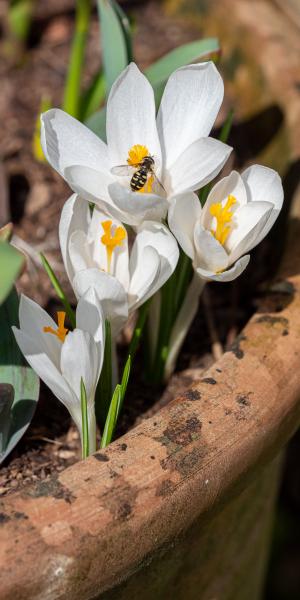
x,y
65,454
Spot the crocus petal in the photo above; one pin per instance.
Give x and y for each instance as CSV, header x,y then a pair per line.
x,y
197,165
184,212
143,275
210,254
45,368
110,292
250,221
90,183
264,184
157,236
228,275
90,318
119,259
33,319
80,359
75,215
67,142
80,253
230,185
131,116
137,207
189,106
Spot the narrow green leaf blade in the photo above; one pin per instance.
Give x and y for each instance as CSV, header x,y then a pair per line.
x,y
15,376
192,52
11,262
124,383
60,293
113,42
84,419
111,418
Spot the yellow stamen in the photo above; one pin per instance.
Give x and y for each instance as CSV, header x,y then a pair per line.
x,y
223,216
136,154
61,331
111,240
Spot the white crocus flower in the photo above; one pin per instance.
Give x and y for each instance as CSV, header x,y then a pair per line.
x,y
185,158
61,357
95,253
238,213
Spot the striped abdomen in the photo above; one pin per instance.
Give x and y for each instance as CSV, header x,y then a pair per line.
x,y
138,179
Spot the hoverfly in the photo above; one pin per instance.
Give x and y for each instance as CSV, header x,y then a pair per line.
x,y
143,170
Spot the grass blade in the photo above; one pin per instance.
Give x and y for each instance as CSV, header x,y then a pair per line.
x,y
60,293
111,418
84,419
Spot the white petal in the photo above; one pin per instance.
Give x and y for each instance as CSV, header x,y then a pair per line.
x,y
33,319
158,237
90,183
249,220
67,142
137,207
210,254
228,275
110,292
45,368
130,116
80,252
189,106
230,185
184,212
144,271
80,359
264,184
119,259
90,317
75,215
197,165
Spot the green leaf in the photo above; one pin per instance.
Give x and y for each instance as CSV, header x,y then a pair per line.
x,y
84,419
159,72
20,18
124,383
11,262
111,418
93,97
193,52
19,385
60,293
115,40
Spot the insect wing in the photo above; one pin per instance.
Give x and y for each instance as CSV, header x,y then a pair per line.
x,y
122,170
158,182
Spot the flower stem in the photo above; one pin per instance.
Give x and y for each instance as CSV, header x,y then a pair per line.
x,y
71,102
172,297
84,419
59,290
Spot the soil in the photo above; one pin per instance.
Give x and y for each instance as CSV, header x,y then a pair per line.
x,y
36,195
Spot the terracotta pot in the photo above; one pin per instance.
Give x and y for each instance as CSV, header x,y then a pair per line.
x,y
181,506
